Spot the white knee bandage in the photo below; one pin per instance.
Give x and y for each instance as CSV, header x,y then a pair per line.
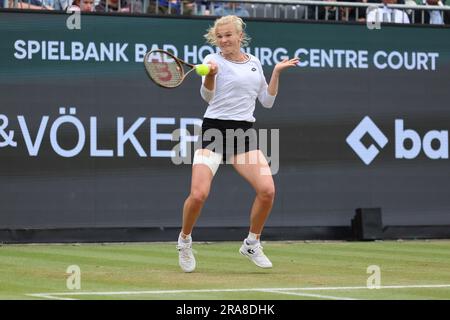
x,y
208,158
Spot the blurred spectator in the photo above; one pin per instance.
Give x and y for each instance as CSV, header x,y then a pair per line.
x,y
201,7
323,12
350,13
331,13
328,12
61,5
31,4
184,7
82,5
431,16
119,6
347,13
435,16
336,13
386,14
447,13
230,8
410,12
48,4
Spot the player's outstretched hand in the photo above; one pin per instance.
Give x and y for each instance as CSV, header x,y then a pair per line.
x,y
286,63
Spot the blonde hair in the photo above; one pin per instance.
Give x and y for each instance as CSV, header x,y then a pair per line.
x,y
240,25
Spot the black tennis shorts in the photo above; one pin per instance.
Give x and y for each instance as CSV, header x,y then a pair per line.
x,y
228,137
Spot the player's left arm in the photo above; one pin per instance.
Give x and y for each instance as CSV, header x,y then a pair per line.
x,y
279,67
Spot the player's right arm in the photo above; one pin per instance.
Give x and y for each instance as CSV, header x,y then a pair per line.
x,y
210,78
208,87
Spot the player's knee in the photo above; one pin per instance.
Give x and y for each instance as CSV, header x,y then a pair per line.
x,y
198,196
267,193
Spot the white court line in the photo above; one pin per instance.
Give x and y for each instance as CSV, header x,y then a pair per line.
x,y
47,296
86,293
311,295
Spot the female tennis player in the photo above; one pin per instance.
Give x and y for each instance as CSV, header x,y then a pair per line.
x,y
235,80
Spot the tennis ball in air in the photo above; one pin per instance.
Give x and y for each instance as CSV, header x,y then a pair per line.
x,y
202,69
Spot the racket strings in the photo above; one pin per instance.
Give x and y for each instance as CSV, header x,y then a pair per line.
x,y
164,69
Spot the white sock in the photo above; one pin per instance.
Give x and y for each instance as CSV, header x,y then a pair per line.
x,y
187,238
252,238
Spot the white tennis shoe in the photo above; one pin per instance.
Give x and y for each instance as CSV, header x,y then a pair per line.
x,y
255,254
186,258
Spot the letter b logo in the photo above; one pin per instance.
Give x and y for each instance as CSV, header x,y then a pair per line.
x,y
402,135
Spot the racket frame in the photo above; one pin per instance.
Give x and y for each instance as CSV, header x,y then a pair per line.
x,y
179,62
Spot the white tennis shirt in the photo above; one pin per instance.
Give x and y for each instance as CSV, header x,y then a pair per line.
x,y
238,84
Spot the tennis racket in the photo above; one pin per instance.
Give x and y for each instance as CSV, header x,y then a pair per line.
x,y
165,69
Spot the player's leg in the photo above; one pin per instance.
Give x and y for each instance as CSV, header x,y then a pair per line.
x,y
203,169
254,167
202,176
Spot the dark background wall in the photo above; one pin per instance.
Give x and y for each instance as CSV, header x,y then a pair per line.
x,y
320,182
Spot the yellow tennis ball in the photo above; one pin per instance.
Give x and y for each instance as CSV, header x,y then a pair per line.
x,y
202,69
